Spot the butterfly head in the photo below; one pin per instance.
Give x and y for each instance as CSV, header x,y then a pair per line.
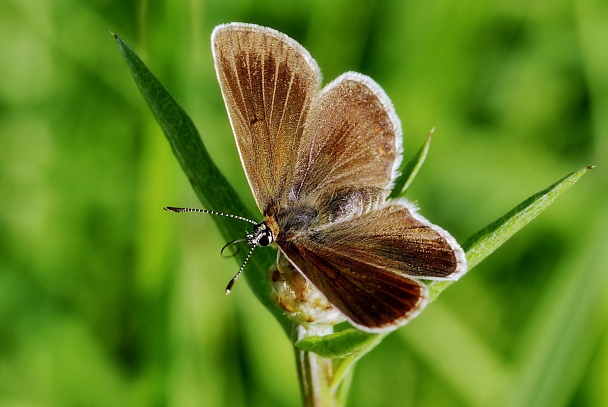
x,y
260,236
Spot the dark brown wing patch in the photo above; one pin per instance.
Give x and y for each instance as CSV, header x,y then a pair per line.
x,y
370,297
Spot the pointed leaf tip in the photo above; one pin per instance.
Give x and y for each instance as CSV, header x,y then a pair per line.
x,y
410,169
490,238
494,235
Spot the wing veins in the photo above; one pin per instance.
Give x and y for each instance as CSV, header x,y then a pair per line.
x,y
241,112
308,165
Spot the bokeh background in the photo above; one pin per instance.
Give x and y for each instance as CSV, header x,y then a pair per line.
x,y
107,300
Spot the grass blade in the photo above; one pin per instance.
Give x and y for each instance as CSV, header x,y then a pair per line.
x,y
210,185
565,329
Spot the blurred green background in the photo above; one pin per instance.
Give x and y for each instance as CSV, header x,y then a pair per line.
x,y
105,299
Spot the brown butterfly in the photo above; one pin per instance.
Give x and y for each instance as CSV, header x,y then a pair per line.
x,y
321,163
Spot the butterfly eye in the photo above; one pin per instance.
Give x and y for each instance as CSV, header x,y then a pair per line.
x,y
265,239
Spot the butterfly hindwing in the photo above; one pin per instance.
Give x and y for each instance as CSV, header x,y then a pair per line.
x,y
368,266
370,297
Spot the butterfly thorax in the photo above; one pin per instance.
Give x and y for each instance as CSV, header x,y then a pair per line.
x,y
289,222
350,202
312,213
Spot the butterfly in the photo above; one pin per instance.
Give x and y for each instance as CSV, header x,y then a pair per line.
x,y
321,162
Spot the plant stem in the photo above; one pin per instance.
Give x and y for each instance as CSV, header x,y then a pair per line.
x,y
315,373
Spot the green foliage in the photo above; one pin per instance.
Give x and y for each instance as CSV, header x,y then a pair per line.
x,y
483,243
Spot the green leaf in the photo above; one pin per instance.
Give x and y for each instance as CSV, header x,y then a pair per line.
x,y
409,170
483,243
210,185
347,347
347,343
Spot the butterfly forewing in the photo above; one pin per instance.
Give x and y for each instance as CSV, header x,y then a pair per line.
x,y
268,82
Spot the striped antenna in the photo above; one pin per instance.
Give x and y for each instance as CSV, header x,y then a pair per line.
x,y
231,283
228,215
253,239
